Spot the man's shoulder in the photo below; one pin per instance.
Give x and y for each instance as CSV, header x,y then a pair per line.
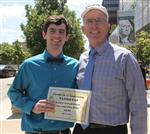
x,y
120,51
118,48
70,59
35,58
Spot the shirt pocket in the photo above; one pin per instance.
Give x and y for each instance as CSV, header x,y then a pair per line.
x,y
108,79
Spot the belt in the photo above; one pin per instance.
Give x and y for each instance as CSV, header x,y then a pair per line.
x,y
94,125
66,131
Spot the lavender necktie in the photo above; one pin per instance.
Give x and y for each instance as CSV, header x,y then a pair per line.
x,y
87,81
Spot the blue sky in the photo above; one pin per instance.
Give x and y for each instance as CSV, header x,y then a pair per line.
x,y
12,14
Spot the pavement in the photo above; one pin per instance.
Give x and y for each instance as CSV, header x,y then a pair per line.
x,y
148,98
10,123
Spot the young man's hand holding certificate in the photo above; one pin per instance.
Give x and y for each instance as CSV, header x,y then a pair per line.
x,y
70,104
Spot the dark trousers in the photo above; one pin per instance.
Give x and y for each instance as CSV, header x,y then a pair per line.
x,y
122,129
67,131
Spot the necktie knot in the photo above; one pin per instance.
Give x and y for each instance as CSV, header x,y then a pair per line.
x,y
54,59
93,52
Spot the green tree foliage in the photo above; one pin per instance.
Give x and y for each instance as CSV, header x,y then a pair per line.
x,y
112,28
6,53
35,18
142,47
12,54
19,55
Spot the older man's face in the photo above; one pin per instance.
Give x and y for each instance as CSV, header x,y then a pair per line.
x,y
95,27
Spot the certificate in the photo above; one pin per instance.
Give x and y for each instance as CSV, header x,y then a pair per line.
x,y
70,104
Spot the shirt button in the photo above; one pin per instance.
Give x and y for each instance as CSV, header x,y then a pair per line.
x,y
55,69
55,81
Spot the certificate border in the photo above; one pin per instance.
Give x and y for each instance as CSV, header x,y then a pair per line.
x,y
83,120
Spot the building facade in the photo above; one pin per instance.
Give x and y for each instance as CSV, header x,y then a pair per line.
x,y
127,5
142,12
142,15
112,7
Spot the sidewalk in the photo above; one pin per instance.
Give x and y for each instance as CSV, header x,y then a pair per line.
x,y
148,98
10,123
11,127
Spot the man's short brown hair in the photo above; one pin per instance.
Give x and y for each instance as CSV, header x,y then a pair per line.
x,y
57,20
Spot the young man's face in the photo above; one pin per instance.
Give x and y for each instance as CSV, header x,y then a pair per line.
x,y
55,37
95,27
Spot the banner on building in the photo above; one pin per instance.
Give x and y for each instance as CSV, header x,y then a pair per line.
x,y
126,27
